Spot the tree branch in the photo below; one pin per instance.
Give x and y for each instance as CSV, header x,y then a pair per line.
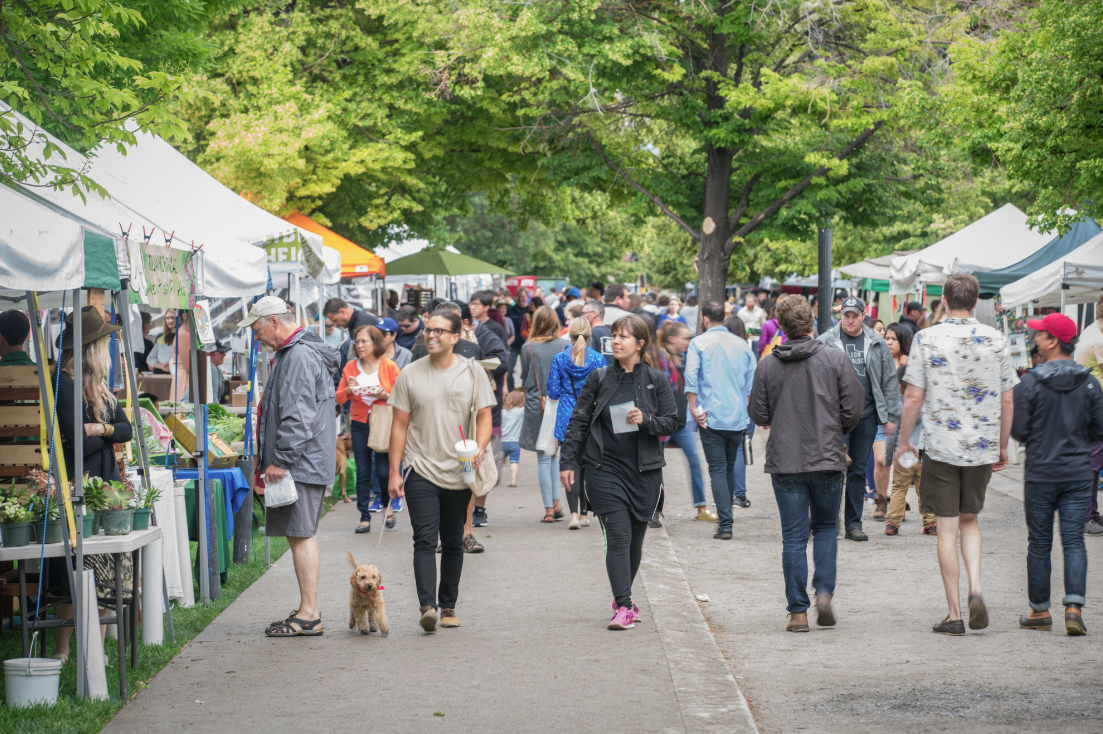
x,y
654,199
740,210
798,188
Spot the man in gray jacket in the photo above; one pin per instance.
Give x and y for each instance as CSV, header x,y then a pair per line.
x,y
297,436
809,396
872,361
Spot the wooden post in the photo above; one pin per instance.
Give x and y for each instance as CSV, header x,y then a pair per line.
x,y
96,298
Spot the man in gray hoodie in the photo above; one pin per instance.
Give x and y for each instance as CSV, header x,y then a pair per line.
x,y
297,436
872,362
809,396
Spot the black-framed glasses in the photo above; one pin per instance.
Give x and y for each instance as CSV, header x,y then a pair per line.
x,y
438,332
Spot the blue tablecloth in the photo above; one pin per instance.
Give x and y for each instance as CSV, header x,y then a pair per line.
x,y
235,489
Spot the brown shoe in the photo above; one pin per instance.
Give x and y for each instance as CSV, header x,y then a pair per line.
x,y
448,618
978,613
1043,624
1074,622
798,622
882,506
428,619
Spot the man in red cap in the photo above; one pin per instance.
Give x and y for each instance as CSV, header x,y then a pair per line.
x,y
1058,416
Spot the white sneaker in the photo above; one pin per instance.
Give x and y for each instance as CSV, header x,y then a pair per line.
x,y
585,521
575,524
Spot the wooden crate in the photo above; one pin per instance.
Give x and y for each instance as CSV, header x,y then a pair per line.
x,y
19,383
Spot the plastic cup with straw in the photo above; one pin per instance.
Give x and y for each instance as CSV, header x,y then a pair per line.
x,y
466,451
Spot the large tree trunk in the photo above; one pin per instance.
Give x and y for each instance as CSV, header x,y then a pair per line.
x,y
712,262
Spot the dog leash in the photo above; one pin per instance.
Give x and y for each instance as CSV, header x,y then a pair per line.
x,y
383,530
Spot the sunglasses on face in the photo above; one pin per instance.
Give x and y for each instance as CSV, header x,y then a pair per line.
x,y
438,332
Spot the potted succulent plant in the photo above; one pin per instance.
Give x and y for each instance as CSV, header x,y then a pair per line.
x,y
118,517
44,507
95,502
15,523
142,513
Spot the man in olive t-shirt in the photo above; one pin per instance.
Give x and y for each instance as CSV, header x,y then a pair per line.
x,y
431,399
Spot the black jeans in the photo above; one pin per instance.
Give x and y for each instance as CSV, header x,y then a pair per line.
x,y
437,512
363,456
623,551
859,443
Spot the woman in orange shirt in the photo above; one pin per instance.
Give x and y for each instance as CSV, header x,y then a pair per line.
x,y
368,382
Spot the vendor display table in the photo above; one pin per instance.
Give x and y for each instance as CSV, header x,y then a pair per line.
x,y
231,485
116,545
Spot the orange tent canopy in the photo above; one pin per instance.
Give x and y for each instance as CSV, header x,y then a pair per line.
x,y
355,260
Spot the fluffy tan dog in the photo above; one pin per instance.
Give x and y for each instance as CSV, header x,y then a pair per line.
x,y
344,446
365,602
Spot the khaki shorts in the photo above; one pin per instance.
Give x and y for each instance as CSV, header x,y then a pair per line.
x,y
950,490
300,518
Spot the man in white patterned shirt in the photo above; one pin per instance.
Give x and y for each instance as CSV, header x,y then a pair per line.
x,y
960,374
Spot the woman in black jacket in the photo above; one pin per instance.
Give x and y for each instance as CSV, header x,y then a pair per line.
x,y
614,432
105,425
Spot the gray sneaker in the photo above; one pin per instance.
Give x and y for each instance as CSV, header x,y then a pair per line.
x,y
1093,527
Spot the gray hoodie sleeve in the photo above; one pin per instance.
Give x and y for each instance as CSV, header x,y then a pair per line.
x,y
298,410
890,386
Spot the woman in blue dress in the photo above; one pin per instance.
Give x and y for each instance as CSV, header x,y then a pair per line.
x,y
569,370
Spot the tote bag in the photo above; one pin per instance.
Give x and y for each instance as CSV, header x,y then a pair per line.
x,y
379,427
486,476
546,440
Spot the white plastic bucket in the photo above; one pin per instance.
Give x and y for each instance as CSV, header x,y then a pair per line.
x,y
32,680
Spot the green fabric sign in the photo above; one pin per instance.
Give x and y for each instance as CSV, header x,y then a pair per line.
x,y
101,269
169,276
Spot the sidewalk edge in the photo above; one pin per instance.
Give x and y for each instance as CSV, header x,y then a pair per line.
x,y
709,698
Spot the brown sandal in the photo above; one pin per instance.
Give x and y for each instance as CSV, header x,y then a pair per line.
x,y
548,517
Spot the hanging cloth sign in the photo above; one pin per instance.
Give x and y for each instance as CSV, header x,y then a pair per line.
x,y
170,277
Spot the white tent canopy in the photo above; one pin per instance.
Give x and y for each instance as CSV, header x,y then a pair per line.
x,y
40,250
1081,270
994,241
874,268
162,183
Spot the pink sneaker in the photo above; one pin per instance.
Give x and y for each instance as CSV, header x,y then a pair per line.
x,y
635,612
622,620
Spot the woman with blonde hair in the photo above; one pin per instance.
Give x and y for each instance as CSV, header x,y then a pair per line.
x,y
536,356
105,427
568,373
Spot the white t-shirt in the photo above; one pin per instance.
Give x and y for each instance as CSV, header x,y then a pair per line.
x,y
439,402
752,320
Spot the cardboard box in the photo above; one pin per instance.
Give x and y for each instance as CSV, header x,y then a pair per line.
x,y
239,399
186,438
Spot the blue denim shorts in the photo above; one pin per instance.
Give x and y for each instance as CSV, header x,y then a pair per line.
x,y
512,449
880,433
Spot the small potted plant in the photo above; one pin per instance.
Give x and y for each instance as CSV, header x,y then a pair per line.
x,y
95,502
118,517
15,523
44,507
142,513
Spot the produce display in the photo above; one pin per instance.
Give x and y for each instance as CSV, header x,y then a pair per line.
x,y
229,427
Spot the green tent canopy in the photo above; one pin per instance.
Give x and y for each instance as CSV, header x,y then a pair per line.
x,y
435,260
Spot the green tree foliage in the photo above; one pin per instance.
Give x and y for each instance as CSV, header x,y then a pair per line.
x,y
74,67
737,120
326,108
590,242
1031,98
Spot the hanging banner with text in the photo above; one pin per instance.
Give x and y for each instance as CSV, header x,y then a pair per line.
x,y
170,277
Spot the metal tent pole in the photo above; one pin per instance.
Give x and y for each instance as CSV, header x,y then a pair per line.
x,y
143,456
825,292
78,492
201,485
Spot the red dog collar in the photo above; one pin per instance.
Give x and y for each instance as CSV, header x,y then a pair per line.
x,y
368,592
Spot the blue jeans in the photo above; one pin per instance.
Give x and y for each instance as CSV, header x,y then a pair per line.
x,y
721,449
808,501
364,475
548,470
1071,502
512,450
740,470
684,439
859,443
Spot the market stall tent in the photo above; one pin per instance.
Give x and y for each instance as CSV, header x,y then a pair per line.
x,y
991,281
1075,278
229,267
996,240
355,260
